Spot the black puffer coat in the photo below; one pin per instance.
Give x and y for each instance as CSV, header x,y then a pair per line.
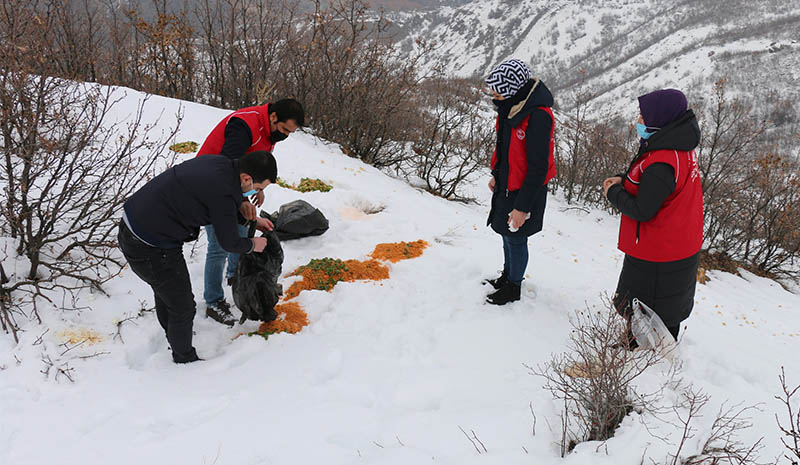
x,y
666,287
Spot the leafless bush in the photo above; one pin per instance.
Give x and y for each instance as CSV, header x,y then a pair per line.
x,y
454,141
67,167
587,151
163,51
131,317
356,87
68,170
790,430
751,189
242,46
721,446
7,320
728,138
595,379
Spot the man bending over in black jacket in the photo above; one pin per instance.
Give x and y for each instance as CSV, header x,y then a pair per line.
x,y
169,210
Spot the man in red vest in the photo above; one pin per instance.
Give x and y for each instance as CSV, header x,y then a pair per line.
x,y
661,201
247,130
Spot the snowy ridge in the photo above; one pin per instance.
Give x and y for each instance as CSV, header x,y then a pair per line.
x,y
624,47
387,372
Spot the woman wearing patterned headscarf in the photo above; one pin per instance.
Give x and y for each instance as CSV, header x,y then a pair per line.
x,y
661,201
522,165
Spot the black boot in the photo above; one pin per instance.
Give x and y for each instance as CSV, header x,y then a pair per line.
x,y
189,357
508,293
221,312
497,282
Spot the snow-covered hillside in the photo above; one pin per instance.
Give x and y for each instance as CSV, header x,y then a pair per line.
x,y
387,372
618,49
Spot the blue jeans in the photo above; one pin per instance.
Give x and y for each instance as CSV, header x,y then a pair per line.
x,y
215,262
515,253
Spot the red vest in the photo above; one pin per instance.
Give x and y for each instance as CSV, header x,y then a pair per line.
x,y
676,232
517,154
257,118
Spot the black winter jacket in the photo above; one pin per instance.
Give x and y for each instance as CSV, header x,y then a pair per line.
x,y
170,209
666,287
532,197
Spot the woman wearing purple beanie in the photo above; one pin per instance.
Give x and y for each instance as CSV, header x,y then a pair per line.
x,y
661,201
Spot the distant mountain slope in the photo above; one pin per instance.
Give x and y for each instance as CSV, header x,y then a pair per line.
x,y
618,49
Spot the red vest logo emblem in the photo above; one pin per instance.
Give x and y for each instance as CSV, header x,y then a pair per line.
x,y
520,134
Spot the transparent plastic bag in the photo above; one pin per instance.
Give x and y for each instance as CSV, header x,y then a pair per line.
x,y
648,329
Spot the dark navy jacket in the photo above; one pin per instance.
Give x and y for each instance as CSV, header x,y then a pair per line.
x,y
170,209
530,164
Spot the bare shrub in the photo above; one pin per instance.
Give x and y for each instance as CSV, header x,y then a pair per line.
x,y
241,47
356,87
721,446
790,430
589,150
165,59
729,136
751,189
454,141
595,378
67,168
7,320
78,38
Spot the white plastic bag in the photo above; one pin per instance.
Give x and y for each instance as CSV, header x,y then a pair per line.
x,y
648,329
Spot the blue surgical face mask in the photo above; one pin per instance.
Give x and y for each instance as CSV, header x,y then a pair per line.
x,y
641,129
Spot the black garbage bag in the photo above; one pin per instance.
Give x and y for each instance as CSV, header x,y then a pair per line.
x,y
298,219
256,289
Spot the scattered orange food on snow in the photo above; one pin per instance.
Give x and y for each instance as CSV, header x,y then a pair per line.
x,y
396,251
324,274
291,319
80,335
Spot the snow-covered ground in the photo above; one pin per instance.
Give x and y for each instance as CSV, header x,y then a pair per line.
x,y
388,372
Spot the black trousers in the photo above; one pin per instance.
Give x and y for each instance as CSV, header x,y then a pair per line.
x,y
166,273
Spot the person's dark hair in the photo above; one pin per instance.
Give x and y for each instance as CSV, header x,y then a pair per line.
x,y
287,109
260,165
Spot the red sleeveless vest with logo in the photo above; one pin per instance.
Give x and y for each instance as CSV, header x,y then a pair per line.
x,y
257,119
517,153
676,232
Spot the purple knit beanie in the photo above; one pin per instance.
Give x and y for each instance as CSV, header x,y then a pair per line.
x,y
662,107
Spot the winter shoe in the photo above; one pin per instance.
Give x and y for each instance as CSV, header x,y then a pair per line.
x,y
220,312
187,358
509,292
497,282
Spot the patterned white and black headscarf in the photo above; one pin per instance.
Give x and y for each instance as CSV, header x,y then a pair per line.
x,y
507,77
